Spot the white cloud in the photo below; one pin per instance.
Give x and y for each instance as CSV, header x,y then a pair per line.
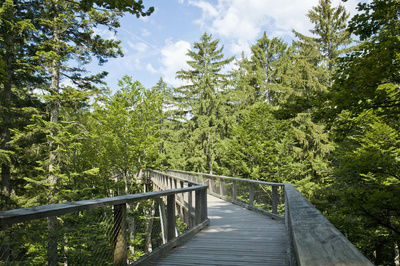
x,y
140,47
150,68
239,46
173,58
242,21
208,11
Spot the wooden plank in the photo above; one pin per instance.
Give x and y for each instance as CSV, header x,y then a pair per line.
x,y
166,248
316,241
236,236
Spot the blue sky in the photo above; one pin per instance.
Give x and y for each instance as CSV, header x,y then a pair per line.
x,y
156,46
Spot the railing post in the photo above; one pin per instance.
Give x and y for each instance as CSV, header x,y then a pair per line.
x,y
211,185
203,205
275,199
52,257
120,245
171,220
190,207
234,190
221,187
251,194
197,215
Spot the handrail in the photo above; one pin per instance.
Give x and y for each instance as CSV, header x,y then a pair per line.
x,y
315,240
120,219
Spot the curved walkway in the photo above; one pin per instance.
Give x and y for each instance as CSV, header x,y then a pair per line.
x,y
236,236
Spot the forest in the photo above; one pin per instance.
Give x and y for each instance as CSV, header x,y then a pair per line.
x,y
321,112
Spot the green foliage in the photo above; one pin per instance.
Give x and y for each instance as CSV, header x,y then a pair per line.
x,y
202,103
125,129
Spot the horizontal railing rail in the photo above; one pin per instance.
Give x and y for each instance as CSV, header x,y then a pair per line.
x,y
121,230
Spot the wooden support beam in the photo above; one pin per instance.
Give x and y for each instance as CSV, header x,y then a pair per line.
x,y
120,244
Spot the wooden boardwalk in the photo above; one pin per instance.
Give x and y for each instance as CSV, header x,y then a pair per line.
x,y
236,236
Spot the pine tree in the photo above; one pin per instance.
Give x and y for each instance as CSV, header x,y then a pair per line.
x,y
259,78
202,102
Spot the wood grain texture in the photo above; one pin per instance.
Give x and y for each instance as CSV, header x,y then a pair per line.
x,y
236,236
316,241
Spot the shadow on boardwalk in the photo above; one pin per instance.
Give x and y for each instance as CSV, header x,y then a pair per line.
x,y
236,236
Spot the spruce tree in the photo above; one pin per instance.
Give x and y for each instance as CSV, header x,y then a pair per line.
x,y
259,78
202,102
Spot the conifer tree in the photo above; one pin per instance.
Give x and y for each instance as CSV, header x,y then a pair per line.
x,y
202,102
259,78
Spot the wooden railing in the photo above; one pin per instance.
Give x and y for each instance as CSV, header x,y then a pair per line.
x,y
264,197
10,221
313,239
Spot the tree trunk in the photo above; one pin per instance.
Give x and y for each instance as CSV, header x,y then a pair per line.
x,y
53,148
150,212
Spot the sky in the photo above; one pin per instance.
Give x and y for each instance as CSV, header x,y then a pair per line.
x,y
156,46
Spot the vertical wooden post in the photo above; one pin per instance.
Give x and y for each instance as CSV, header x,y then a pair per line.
x,y
190,207
251,193
163,220
203,205
234,190
197,215
275,199
211,185
171,220
52,254
221,187
120,245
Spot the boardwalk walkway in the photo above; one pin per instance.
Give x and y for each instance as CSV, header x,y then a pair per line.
x,y
236,236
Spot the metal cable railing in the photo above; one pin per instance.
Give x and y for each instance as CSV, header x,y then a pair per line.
x,y
120,230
